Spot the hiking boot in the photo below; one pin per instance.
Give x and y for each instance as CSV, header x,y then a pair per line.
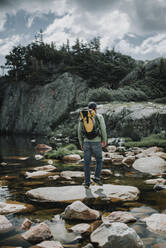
x,y
97,181
86,185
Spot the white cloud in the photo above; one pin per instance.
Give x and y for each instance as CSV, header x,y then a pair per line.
x,y
109,27
150,47
2,21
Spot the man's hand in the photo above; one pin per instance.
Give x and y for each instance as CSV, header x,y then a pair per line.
x,y
103,143
82,148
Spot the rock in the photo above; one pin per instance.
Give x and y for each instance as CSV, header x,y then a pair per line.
x,y
152,151
5,225
55,177
128,161
6,208
72,158
161,155
37,233
106,172
42,106
72,193
152,165
116,235
70,174
107,160
111,148
78,210
116,159
37,174
43,148
118,216
156,181
50,244
88,246
81,228
159,186
45,168
156,222
26,224
38,157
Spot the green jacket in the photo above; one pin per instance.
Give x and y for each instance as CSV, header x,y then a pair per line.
x,y
102,128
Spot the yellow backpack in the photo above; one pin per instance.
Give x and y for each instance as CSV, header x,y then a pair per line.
x,y
90,123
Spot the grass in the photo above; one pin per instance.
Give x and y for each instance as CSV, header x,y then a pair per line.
x,y
152,140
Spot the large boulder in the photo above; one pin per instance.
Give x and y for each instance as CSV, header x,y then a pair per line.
x,y
153,165
72,193
116,235
40,108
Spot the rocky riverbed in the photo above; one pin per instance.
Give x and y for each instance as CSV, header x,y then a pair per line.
x,y
43,204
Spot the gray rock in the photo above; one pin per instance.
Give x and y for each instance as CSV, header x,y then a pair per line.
x,y
5,225
153,165
40,108
156,222
72,193
116,235
78,210
37,233
50,244
118,216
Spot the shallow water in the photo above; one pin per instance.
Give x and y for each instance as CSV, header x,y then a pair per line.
x,y
18,152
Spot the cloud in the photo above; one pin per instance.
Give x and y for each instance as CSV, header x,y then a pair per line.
x,y
73,26
2,22
150,48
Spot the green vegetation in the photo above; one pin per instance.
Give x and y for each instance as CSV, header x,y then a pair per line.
x,y
110,75
39,61
62,151
152,140
122,94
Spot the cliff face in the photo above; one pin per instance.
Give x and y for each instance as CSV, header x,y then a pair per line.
x,y
39,109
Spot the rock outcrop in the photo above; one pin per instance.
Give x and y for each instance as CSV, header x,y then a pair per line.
x,y
38,109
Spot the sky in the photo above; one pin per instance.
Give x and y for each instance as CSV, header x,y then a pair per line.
x,y
132,27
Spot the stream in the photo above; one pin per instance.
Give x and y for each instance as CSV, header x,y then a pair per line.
x,y
17,156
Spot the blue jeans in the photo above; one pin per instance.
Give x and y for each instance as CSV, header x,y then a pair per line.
x,y
92,148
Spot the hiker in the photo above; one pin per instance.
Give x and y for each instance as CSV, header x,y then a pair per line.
x,y
91,140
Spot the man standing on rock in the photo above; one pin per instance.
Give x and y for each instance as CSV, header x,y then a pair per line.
x,y
92,145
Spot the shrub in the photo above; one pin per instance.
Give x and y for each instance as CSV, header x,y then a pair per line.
x,y
100,94
126,93
160,100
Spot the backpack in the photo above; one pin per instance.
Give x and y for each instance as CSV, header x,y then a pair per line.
x,y
90,123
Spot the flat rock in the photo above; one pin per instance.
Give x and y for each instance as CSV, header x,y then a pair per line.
x,y
37,174
6,208
70,174
77,192
48,167
50,244
119,216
